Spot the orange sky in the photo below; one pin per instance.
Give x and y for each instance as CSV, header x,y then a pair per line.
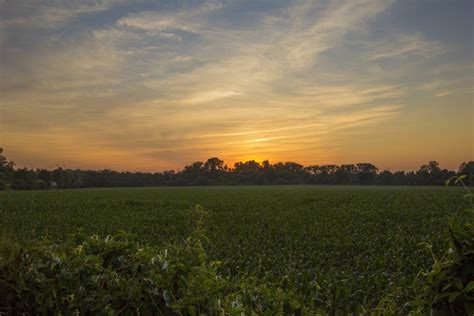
x,y
150,88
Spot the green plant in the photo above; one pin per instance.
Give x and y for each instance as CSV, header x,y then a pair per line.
x,y
292,249
116,275
449,286
459,180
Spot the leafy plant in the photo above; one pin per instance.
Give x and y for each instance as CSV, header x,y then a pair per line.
x,y
116,274
289,250
459,180
449,286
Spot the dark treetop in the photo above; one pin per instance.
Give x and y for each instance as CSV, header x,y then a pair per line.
x,y
215,172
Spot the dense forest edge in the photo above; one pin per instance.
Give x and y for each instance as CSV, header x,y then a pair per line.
x,y
215,172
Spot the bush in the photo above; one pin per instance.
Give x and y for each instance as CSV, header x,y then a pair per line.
x,y
116,274
449,286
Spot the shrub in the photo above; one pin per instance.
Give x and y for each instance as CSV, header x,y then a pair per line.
x,y
449,286
117,274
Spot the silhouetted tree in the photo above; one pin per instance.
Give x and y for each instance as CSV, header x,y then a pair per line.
x,y
399,178
385,178
215,172
467,168
193,174
246,172
6,171
366,172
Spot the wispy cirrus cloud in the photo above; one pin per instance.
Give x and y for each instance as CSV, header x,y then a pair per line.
x,y
186,19
48,15
409,45
192,80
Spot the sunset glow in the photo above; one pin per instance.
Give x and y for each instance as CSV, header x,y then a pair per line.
x,y
157,85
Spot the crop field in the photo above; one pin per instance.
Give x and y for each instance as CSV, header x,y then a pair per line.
x,y
336,248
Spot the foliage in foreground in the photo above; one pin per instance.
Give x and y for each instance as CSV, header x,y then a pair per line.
x,y
449,286
117,274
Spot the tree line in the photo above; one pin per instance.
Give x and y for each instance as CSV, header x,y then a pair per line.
x,y
215,172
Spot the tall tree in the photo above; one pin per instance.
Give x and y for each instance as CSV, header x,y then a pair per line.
x,y
366,172
6,171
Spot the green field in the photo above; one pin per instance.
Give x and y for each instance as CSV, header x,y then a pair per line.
x,y
340,248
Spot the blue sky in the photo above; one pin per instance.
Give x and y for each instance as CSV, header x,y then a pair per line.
x,y
91,84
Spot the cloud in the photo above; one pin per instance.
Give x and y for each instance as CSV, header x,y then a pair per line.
x,y
195,80
187,19
47,15
442,88
232,75
209,96
409,45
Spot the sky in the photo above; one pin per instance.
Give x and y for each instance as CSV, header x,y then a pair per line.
x,y
156,85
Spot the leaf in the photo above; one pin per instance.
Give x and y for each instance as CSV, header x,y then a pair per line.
x,y
453,296
447,286
192,310
458,283
447,182
469,286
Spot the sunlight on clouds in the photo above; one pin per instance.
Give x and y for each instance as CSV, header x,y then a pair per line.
x,y
259,140
210,96
174,83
